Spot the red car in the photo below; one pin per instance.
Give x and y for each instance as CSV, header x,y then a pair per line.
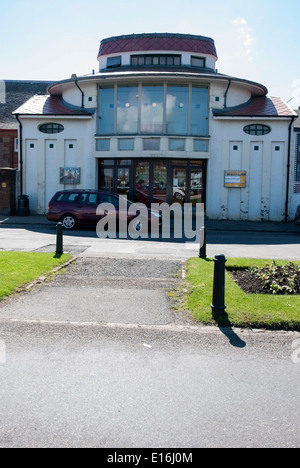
x,y
74,208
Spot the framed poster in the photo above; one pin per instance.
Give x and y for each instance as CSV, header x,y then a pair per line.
x,y
235,179
70,175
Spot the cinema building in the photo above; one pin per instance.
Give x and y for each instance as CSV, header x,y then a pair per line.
x,y
160,123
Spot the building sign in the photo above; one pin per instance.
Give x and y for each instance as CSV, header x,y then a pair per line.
x,y
70,175
235,179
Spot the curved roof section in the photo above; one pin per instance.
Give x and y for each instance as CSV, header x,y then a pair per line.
x,y
261,106
256,89
51,105
157,42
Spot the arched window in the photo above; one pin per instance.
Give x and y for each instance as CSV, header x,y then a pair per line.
x,y
257,129
51,128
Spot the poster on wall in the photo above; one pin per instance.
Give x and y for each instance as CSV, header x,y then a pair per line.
x,y
70,175
235,179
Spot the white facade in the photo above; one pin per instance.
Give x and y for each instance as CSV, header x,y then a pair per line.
x,y
268,190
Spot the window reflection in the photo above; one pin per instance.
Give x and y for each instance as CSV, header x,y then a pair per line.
x,y
177,110
142,182
127,110
158,110
152,109
106,120
199,111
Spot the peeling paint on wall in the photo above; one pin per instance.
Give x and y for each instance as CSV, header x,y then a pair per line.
x,y
244,210
265,209
224,212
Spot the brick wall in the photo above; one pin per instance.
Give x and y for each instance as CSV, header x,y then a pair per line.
x,y
8,156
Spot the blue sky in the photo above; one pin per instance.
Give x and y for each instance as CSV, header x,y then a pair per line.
x,y
256,40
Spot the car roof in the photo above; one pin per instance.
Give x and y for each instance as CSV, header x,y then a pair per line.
x,y
83,191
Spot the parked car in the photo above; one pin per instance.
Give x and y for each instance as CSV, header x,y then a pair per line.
x,y
297,216
74,208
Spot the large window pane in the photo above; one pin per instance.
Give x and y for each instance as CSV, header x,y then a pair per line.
x,y
127,112
199,111
196,187
177,110
142,182
107,111
107,179
152,109
159,182
123,183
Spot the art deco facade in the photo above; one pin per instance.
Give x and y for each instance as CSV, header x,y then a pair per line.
x,y
160,123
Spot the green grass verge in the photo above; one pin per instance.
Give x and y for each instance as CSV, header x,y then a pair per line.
x,y
20,268
242,310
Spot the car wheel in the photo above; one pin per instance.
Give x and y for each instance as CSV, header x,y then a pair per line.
x,y
69,222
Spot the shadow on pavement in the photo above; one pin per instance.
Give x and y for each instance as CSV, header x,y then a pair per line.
x,y
225,327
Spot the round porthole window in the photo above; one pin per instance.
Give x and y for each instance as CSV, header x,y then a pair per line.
x,y
51,128
257,129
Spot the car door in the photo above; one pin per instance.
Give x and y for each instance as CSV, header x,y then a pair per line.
x,y
87,206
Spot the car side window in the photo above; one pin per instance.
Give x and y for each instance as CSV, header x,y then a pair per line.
x,y
68,197
93,199
106,198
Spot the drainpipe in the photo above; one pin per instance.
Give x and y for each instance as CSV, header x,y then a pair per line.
x,y
82,94
288,172
20,153
226,92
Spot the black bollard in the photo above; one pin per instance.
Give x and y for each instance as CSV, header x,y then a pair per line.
x,y
59,239
218,303
202,251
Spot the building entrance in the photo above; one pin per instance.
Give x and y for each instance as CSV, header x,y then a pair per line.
x,y
154,181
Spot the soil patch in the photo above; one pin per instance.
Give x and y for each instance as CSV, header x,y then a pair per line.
x,y
272,279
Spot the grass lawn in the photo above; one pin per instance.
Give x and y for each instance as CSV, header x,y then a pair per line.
x,y
242,310
20,268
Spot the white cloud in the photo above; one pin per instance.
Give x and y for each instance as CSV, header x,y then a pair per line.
x,y
245,36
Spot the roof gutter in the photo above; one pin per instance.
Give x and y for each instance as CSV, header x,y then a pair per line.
x,y
20,152
286,212
82,94
226,92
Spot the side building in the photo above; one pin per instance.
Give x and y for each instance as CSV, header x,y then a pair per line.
x,y
13,93
159,123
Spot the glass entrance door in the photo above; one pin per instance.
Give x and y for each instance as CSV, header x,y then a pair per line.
x,y
179,184
159,182
123,180
197,182
151,182
143,182
155,181
116,176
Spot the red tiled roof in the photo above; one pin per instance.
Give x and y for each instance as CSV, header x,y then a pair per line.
x,y
261,106
49,105
148,42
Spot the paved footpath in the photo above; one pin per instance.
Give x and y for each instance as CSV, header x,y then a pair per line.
x,y
102,290
97,358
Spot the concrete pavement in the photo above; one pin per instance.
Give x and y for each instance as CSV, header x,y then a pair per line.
x,y
222,225
233,238
104,361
